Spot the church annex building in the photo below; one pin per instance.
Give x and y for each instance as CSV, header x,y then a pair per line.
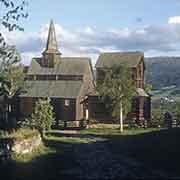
x,y
70,83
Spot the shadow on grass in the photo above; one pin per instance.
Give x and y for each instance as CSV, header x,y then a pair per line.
x,y
49,166
156,150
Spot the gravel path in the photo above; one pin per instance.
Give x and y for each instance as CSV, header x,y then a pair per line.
x,y
96,162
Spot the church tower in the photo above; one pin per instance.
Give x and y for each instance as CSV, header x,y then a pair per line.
x,y
51,53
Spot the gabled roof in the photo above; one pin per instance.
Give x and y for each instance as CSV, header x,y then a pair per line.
x,y
64,65
61,66
130,59
56,89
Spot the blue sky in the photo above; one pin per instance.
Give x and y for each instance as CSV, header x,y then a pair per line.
x,y
89,27
101,13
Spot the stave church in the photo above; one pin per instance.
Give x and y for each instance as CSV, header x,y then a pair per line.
x,y
71,85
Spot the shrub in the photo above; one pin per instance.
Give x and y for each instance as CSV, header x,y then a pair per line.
x,y
157,117
43,116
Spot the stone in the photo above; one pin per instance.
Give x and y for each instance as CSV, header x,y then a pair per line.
x,y
26,145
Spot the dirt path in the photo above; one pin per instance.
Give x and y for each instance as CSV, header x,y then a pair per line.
x,y
96,162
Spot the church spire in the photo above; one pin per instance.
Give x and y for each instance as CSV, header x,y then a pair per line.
x,y
51,53
51,42
51,46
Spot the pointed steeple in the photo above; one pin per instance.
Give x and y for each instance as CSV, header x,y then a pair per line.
x,y
51,53
51,46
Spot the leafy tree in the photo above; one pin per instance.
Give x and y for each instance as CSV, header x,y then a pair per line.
x,y
13,11
11,72
148,88
11,80
43,116
116,90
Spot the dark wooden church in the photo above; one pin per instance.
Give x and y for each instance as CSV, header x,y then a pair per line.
x,y
69,82
141,103
66,80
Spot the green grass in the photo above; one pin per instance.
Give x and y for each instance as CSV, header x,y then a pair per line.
x,y
155,148
116,131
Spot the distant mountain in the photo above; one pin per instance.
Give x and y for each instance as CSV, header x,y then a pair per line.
x,y
163,71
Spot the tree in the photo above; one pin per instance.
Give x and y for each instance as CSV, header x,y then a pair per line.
x,y
11,79
176,112
148,88
11,72
117,90
13,11
43,116
157,117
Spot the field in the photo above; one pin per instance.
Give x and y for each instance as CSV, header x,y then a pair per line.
x,y
101,153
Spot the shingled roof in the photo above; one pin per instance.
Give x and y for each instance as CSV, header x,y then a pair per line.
x,y
61,66
60,89
130,59
65,66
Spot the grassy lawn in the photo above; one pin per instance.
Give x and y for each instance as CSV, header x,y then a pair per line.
x,y
154,148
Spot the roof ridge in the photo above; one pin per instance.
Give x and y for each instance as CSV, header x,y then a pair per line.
x,y
123,52
77,57
108,59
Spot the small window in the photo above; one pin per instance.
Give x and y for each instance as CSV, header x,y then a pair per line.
x,y
67,102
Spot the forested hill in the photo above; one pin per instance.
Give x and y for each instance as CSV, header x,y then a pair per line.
x,y
163,71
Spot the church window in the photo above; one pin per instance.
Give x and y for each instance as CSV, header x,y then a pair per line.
x,y
67,102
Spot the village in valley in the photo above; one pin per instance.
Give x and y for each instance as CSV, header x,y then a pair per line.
x,y
70,117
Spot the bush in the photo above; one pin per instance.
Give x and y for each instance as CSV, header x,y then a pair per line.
x,y
157,117
43,117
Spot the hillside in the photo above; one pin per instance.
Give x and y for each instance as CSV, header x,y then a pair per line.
x,y
163,71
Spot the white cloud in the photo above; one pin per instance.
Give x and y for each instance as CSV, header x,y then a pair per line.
x,y
89,31
90,41
174,20
27,57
